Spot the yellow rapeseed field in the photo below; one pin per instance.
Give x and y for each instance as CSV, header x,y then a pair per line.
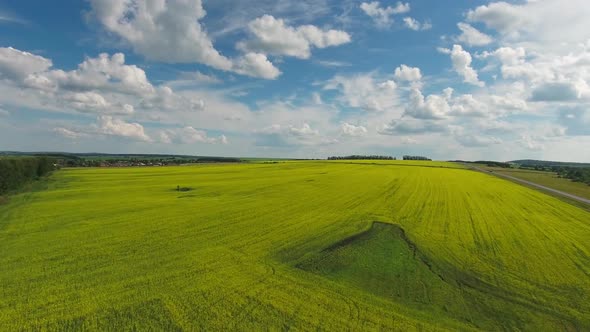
x,y
293,245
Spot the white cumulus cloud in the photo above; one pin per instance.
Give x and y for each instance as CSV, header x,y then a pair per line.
x,y
431,107
17,65
270,35
351,130
408,74
108,125
471,36
167,31
93,102
542,25
461,60
413,24
189,135
364,91
256,65
382,16
68,133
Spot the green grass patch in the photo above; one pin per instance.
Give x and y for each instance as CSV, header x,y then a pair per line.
x,y
384,262
380,260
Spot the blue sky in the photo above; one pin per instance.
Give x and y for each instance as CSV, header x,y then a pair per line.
x,y
446,79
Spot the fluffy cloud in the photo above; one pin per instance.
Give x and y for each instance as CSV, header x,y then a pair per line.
x,y
477,141
549,77
509,103
93,102
164,98
283,135
189,135
445,114
305,130
388,85
105,73
167,31
273,36
408,125
507,56
408,74
473,140
529,143
256,65
347,129
107,125
244,11
461,60
431,107
500,16
514,65
471,36
415,25
382,15
543,24
101,85
467,105
197,76
537,86
441,106
68,133
364,91
17,65
558,91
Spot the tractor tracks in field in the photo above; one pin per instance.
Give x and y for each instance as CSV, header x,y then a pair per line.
x,y
354,311
254,300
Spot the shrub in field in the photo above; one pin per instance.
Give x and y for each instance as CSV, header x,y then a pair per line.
x,y
179,188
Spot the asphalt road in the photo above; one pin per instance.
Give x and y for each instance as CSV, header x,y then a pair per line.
x,y
532,184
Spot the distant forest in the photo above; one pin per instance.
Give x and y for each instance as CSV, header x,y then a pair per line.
x,y
17,171
488,163
362,157
577,172
63,159
149,160
376,157
416,158
546,163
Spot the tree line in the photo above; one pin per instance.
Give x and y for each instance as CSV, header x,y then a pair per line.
x,y
576,174
16,171
416,158
362,157
138,161
490,163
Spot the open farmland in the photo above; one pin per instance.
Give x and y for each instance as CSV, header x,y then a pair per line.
x,y
302,245
545,178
